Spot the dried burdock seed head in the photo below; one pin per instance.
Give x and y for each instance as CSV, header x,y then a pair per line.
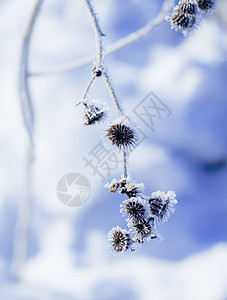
x,y
144,229
119,240
183,22
187,7
207,5
134,209
121,136
161,205
185,17
130,188
93,114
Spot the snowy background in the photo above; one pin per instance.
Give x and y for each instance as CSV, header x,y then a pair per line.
x,y
187,152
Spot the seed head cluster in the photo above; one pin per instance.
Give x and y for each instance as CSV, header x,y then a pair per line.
x,y
187,14
140,213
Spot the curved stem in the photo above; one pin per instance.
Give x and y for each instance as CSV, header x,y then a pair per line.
x,y
88,87
121,43
98,33
99,45
25,97
24,206
113,95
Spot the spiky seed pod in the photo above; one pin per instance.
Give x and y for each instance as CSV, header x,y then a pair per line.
x,y
161,205
131,189
93,114
121,136
144,229
134,209
114,186
119,240
183,22
207,5
185,17
187,7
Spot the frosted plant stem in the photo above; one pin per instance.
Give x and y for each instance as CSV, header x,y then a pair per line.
x,y
23,221
88,88
121,43
105,75
24,206
124,170
113,95
99,46
25,97
98,33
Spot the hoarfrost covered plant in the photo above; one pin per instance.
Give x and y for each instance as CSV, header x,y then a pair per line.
x,y
140,211
187,14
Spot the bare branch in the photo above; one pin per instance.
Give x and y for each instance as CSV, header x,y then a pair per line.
x,y
25,97
24,206
98,33
121,43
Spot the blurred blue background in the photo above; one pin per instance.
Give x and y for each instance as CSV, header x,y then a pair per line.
x,y
186,152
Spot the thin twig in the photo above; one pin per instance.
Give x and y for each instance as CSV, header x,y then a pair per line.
x,y
99,46
121,43
98,33
24,207
88,87
113,95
